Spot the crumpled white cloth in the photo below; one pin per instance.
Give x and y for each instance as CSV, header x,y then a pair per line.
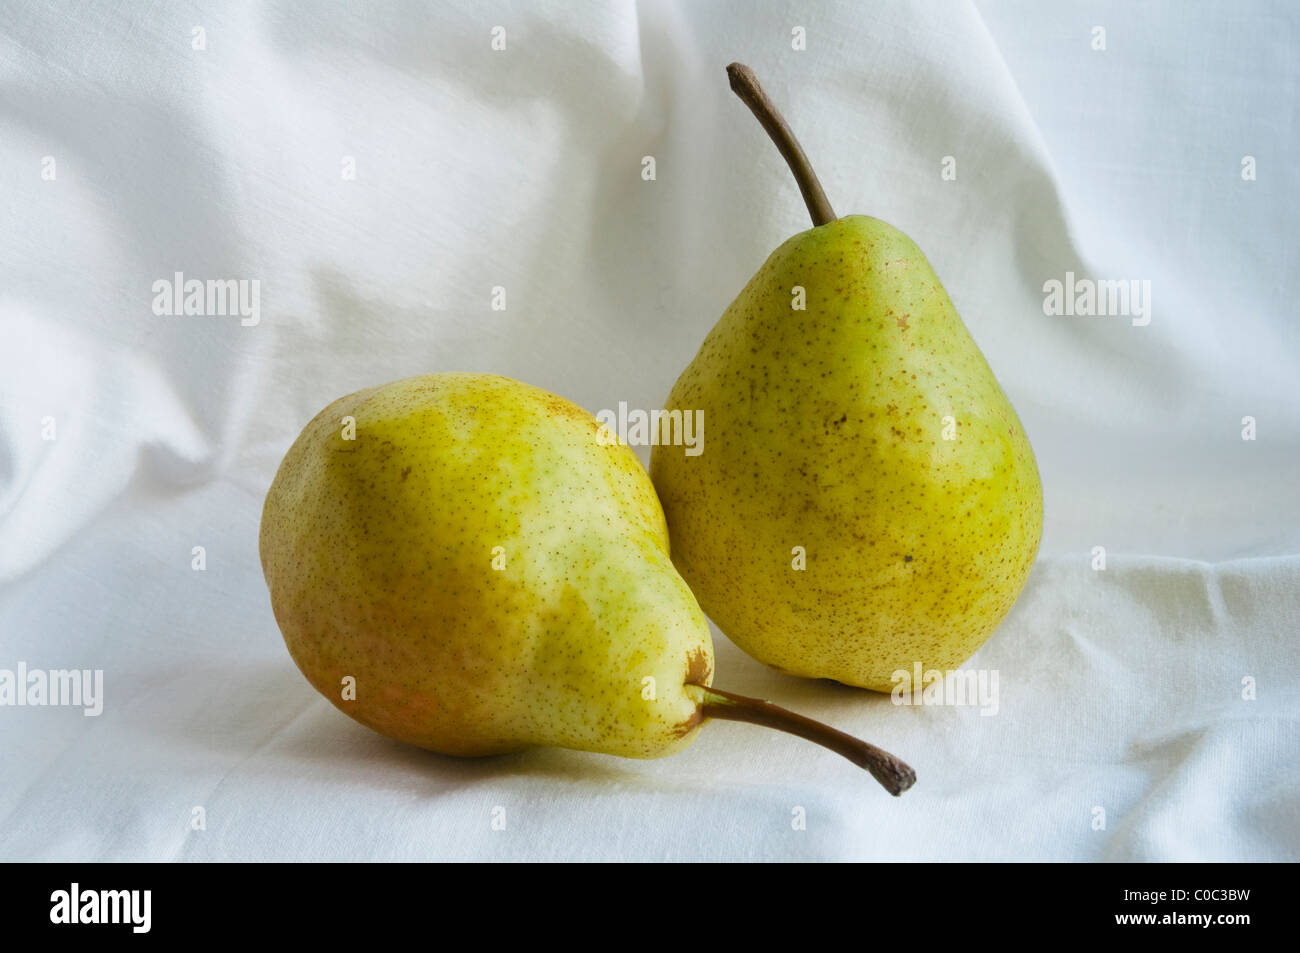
x,y
1147,710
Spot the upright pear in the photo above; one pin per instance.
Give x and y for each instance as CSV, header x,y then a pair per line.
x,y
464,562
868,499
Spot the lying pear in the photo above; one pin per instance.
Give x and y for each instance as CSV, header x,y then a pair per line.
x,y
470,564
869,499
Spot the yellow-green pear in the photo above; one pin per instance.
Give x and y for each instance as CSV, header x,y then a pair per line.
x,y
475,566
867,499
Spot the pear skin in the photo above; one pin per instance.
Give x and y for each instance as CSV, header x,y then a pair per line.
x,y
868,498
490,574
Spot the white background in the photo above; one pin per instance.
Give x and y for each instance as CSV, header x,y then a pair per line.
x,y
1121,690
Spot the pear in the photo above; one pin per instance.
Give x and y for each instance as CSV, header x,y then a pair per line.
x,y
473,565
869,499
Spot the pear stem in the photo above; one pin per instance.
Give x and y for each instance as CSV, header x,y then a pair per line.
x,y
746,85
894,775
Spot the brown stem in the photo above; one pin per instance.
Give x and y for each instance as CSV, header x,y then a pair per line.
x,y
893,774
745,85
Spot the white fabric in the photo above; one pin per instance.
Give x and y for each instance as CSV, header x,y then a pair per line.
x,y
1121,690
